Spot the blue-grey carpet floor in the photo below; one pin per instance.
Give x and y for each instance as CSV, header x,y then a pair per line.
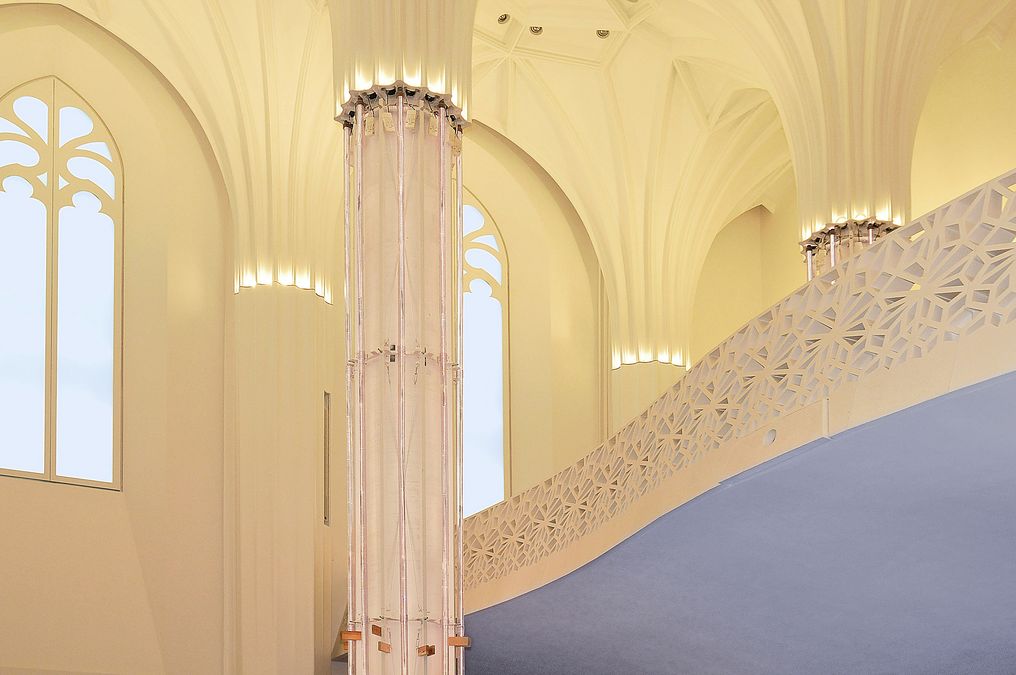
x,y
890,548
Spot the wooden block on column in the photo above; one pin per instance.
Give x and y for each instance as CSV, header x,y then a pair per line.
x,y
426,650
384,647
354,635
375,629
458,641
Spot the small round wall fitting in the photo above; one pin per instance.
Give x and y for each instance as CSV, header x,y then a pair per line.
x,y
503,18
603,34
536,30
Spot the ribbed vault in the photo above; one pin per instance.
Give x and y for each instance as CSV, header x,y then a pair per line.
x,y
657,149
684,113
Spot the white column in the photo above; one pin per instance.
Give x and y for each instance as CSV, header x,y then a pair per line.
x,y
404,289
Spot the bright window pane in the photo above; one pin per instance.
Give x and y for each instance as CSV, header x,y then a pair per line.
x,y
484,260
84,428
35,114
22,327
472,219
483,413
74,123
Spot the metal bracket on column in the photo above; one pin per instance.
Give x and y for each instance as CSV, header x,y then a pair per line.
x,y
384,96
828,247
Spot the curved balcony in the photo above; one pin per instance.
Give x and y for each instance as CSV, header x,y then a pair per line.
x,y
927,310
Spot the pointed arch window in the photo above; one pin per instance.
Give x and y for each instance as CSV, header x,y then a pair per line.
x,y
61,222
486,447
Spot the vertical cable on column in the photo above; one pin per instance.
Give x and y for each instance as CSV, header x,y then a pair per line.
x,y
402,353
361,360
458,394
446,285
350,364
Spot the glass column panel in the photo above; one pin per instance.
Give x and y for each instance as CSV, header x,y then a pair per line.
x,y
403,337
22,323
84,423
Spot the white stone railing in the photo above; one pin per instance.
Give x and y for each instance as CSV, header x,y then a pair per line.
x,y
932,282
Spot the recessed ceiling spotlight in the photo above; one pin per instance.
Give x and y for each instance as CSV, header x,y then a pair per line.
x,y
536,30
503,18
603,34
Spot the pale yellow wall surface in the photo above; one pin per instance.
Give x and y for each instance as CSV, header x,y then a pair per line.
x,y
753,263
783,268
729,290
635,386
287,351
556,354
966,135
132,581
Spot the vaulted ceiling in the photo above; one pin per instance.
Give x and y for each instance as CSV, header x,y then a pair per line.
x,y
683,115
257,75
655,139
664,119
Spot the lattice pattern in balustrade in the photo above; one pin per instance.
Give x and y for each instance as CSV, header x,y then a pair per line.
x,y
948,274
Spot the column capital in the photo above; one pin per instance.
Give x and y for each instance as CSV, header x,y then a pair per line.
x,y
419,45
384,96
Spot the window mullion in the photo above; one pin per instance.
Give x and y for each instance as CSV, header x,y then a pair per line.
x,y
51,285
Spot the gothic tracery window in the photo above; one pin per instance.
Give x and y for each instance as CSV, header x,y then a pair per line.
x,y
485,360
61,212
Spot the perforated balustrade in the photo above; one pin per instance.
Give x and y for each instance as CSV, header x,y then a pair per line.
x,y
935,280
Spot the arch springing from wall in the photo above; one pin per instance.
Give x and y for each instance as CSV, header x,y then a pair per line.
x,y
61,220
486,445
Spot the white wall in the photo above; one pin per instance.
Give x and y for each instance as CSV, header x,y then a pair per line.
x,y
131,581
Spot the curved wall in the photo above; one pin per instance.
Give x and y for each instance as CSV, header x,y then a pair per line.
x,y
132,581
558,354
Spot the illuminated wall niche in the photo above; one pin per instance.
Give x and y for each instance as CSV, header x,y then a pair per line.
x,y
61,220
486,437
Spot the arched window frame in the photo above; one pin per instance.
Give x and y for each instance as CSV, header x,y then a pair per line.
x,y
57,191
500,291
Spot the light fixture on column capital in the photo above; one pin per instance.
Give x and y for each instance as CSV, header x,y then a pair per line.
x,y
836,242
414,96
